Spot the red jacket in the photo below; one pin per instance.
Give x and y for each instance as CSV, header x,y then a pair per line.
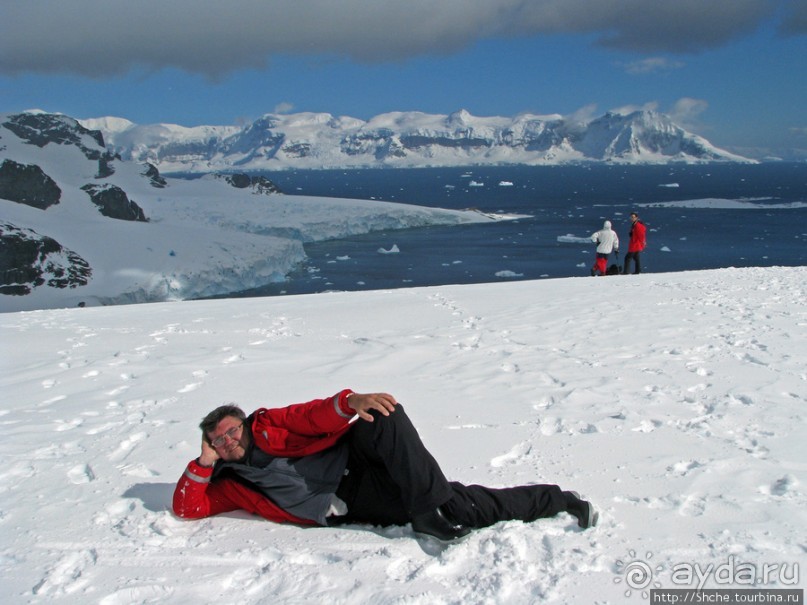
x,y
295,430
638,238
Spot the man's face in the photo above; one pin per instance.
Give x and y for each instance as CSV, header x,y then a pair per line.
x,y
634,218
230,439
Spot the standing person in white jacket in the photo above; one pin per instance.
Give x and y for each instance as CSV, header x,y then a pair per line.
x,y
607,241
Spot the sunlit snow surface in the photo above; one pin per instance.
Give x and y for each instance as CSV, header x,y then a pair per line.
x,y
675,402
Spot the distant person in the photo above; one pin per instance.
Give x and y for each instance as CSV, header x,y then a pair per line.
x,y
636,243
349,458
607,242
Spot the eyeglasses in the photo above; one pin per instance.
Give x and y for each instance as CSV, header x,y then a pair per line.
x,y
231,433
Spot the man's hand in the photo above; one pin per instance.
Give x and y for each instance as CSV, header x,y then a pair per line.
x,y
209,455
363,403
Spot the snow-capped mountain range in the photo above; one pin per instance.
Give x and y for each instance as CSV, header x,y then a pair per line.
x,y
79,226
407,139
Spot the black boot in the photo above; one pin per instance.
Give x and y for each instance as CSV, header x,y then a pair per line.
x,y
435,524
582,509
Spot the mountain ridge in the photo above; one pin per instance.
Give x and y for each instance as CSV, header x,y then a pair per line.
x,y
408,139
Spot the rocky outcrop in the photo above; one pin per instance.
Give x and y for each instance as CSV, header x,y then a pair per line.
x,y
105,166
113,202
29,260
259,184
153,175
28,184
43,129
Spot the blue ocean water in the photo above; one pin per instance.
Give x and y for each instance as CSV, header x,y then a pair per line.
x,y
561,201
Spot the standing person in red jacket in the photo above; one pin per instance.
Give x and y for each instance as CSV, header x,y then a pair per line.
x,y
350,458
637,243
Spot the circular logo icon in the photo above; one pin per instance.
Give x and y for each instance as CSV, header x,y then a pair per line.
x,y
637,573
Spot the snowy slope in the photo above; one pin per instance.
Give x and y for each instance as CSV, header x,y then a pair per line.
x,y
204,237
678,408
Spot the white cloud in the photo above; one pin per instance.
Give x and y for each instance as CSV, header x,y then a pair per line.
x,y
284,107
686,113
689,106
584,115
652,65
629,109
99,38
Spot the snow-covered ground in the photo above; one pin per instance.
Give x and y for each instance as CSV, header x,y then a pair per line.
x,y
676,402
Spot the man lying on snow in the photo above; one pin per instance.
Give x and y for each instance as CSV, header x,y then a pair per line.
x,y
351,458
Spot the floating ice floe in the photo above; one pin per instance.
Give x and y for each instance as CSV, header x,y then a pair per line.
x,y
724,204
507,273
573,239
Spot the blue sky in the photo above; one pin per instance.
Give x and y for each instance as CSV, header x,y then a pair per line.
x,y
734,71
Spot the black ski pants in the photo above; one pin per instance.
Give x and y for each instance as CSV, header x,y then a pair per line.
x,y
635,257
392,477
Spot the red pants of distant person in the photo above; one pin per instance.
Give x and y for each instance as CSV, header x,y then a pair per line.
x,y
601,264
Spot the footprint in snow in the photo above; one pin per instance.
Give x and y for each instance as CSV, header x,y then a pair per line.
x,y
68,575
117,390
514,456
684,467
126,447
647,426
781,487
146,593
81,474
63,425
693,506
52,400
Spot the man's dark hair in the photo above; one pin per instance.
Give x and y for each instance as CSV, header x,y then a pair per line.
x,y
211,421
